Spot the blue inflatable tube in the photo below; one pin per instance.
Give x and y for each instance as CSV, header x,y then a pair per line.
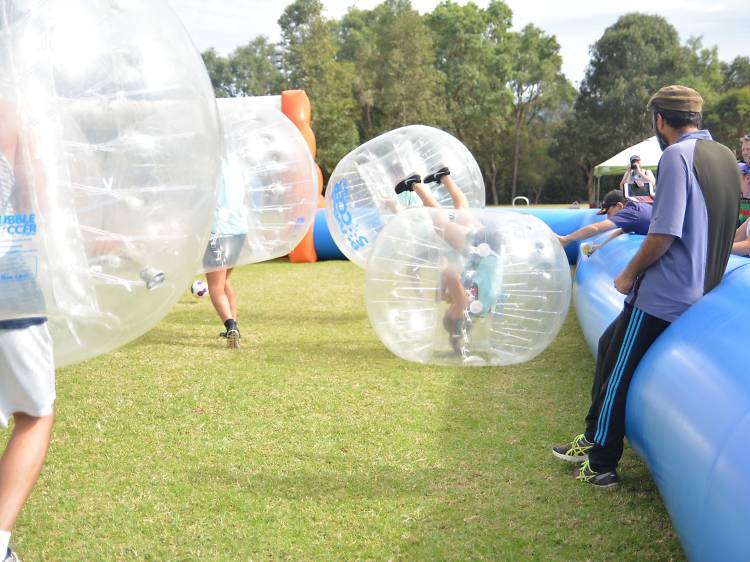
x,y
564,221
688,409
561,221
325,247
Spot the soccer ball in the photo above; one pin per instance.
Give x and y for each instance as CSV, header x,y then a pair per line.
x,y
199,288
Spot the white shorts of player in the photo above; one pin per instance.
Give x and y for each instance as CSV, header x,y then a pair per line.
x,y
27,372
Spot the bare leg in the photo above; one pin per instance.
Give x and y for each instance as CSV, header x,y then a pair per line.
x,y
217,291
459,198
231,296
457,296
453,233
428,200
21,464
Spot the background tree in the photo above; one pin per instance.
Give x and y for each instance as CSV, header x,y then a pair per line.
x,y
728,117
254,70
536,83
310,64
500,92
633,58
473,49
218,70
736,74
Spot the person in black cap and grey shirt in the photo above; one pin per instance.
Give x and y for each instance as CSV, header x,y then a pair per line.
x,y
623,216
637,181
683,257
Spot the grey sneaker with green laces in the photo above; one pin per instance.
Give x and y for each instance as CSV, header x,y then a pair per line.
x,y
588,475
575,451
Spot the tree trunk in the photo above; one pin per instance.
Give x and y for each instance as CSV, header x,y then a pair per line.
x,y
493,182
591,186
516,153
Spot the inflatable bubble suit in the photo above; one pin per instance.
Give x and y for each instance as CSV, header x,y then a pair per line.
x,y
111,149
468,287
269,188
360,196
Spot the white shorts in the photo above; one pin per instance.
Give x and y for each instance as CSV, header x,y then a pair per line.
x,y
27,372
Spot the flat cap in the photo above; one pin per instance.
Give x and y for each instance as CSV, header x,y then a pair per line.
x,y
677,98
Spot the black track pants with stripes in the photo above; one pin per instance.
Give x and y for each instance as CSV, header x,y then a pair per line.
x,y
621,347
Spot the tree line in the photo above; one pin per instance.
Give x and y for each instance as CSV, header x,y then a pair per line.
x,y
501,92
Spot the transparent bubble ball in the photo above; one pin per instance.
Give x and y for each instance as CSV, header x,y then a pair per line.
x,y
360,196
120,158
269,189
467,287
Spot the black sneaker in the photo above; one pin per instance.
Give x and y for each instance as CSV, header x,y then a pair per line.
x,y
575,451
588,475
11,556
407,184
233,338
437,176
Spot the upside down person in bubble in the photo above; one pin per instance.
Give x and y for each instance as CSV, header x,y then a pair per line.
x,y
472,292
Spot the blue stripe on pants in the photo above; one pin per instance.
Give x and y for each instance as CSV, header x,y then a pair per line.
x,y
634,325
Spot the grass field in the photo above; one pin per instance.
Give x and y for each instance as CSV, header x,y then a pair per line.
x,y
313,442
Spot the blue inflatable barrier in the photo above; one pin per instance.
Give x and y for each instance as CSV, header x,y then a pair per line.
x,y
688,417
561,221
564,221
325,247
688,409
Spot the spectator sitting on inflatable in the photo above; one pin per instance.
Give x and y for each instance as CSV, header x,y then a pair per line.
x,y
741,245
473,292
623,216
745,193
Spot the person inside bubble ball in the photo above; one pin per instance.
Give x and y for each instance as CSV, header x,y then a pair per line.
x,y
472,292
228,235
27,372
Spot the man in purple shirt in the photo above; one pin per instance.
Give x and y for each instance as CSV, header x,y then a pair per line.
x,y
683,257
623,216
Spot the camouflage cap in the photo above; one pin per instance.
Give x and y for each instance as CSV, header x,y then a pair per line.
x,y
677,98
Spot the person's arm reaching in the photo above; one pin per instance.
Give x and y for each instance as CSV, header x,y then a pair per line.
x,y
587,232
612,235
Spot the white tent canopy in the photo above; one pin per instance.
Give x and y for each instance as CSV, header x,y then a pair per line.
x,y
648,150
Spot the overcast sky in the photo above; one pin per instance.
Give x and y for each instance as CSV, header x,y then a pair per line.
x,y
227,24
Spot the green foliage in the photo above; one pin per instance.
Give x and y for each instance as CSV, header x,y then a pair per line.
x,y
736,74
728,117
397,82
501,92
633,58
474,50
311,65
248,71
536,84
218,70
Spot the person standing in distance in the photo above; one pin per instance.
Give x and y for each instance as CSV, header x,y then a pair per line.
x,y
683,256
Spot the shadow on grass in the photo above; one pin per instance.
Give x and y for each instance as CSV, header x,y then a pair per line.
x,y
517,499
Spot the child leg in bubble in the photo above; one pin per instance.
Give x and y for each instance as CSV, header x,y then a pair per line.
x,y
454,232
221,254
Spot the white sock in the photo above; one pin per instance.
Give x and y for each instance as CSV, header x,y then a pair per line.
x,y
4,540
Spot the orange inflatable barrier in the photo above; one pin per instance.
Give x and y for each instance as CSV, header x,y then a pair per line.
x,y
296,106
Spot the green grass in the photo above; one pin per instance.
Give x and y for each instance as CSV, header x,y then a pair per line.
x,y
313,442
